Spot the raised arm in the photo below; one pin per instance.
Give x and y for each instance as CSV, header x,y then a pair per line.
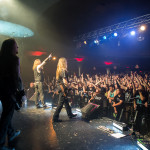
x,y
44,62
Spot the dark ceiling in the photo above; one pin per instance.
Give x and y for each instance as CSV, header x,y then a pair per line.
x,y
73,17
58,21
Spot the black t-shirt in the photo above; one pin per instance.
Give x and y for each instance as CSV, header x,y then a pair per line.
x,y
128,95
149,97
38,76
80,89
9,74
99,99
138,99
63,74
118,98
90,89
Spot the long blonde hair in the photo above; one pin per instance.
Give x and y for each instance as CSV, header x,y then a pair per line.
x,y
36,63
62,65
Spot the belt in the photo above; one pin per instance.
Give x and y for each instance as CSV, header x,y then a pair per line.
x,y
38,82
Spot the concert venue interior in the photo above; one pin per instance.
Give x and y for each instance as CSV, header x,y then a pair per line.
x,y
107,47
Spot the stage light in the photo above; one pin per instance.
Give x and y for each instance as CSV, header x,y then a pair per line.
x,y
143,28
54,58
79,59
85,42
115,34
14,30
108,63
96,41
37,53
132,33
104,37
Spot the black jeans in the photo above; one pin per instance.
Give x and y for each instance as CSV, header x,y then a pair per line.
x,y
119,109
8,105
142,114
62,100
39,90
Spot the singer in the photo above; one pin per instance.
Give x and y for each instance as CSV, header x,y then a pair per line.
x,y
39,79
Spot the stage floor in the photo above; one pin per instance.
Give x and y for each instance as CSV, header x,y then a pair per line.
x,y
39,133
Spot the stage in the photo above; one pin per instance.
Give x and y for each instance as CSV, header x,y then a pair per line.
x,y
38,132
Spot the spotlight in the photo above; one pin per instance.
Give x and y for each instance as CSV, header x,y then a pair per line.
x,y
96,41
132,33
115,34
143,28
54,58
85,42
104,37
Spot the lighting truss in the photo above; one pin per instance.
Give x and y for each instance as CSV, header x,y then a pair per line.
x,y
132,23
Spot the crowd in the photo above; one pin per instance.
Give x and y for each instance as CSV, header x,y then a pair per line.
x,y
130,92
130,85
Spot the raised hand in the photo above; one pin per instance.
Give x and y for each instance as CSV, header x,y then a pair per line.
x,y
50,56
32,85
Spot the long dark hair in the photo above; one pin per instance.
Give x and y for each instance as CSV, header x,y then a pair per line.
x,y
7,47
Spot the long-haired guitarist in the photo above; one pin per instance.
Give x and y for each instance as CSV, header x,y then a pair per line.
x,y
63,86
39,79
